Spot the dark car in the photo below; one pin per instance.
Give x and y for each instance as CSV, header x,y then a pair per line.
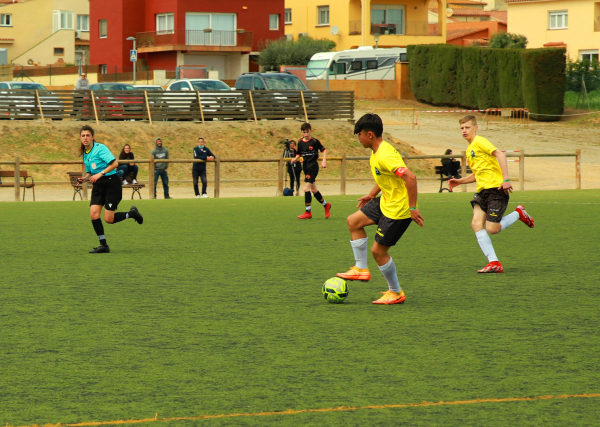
x,y
269,81
117,105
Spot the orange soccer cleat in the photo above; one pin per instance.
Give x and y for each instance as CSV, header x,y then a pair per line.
x,y
390,297
355,273
492,267
327,210
305,215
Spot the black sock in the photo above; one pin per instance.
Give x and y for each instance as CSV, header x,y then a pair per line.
x,y
120,216
99,229
307,200
319,197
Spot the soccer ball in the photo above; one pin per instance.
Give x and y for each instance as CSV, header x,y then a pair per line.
x,y
335,290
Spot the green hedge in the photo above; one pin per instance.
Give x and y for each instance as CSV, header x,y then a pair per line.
x,y
481,78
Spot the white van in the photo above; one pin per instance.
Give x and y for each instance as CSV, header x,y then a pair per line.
x,y
364,63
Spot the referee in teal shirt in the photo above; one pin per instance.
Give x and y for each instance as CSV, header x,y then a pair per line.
x,y
101,166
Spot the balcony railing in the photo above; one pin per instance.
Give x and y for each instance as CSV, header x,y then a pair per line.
x,y
409,28
194,38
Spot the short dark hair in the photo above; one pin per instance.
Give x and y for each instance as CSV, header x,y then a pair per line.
x,y
369,122
200,138
448,151
305,126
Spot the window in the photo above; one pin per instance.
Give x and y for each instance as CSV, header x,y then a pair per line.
x,y
6,20
83,22
273,22
103,69
63,20
176,86
3,86
288,16
323,15
207,29
591,55
258,84
558,20
387,19
165,23
102,27
59,51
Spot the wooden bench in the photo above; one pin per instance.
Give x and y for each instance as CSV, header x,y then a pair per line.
x,y
77,187
24,185
443,178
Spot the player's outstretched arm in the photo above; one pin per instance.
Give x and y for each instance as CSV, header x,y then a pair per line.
x,y
324,162
366,199
410,179
453,182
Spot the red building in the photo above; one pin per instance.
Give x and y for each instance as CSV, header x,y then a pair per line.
x,y
220,35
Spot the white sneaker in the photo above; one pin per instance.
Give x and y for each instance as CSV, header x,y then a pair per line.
x,y
124,182
134,181
197,196
205,196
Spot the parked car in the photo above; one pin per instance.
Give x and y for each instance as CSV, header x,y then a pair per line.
x,y
269,81
117,105
149,87
219,96
23,103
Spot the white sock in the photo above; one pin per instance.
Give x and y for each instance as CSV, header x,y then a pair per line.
x,y
359,247
324,203
509,220
308,208
485,243
391,277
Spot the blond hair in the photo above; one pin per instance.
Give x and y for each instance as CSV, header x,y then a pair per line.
x,y
468,118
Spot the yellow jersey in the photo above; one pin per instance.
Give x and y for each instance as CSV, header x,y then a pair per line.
x,y
484,164
394,196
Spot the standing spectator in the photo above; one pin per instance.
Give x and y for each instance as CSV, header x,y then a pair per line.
x,y
201,152
294,170
160,168
82,84
124,170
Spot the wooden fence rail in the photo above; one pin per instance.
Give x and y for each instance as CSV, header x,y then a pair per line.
x,y
281,166
154,106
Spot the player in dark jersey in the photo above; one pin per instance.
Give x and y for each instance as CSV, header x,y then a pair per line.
x,y
101,165
308,149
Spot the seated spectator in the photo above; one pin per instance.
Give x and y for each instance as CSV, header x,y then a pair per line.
x,y
451,167
124,170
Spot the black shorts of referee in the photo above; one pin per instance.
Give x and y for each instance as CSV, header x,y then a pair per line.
x,y
107,191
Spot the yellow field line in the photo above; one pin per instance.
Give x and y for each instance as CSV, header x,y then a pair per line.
x,y
304,411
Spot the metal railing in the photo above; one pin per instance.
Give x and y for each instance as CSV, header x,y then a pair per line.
x,y
207,37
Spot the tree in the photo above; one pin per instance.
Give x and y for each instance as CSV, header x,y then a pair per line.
x,y
275,53
504,40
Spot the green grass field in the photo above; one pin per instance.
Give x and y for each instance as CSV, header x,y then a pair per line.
x,y
214,307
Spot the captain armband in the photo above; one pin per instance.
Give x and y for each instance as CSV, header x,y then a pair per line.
x,y
400,171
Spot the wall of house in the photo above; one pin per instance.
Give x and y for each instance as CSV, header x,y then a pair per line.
x,y
124,18
343,12
43,52
532,20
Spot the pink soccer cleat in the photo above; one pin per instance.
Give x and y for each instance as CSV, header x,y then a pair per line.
x,y
524,216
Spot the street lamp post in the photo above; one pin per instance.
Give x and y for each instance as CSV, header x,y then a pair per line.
x,y
133,39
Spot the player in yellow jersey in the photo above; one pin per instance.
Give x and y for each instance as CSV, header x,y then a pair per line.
x,y
392,212
490,170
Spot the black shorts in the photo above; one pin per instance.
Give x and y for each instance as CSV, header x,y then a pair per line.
x,y
389,230
492,201
311,170
107,191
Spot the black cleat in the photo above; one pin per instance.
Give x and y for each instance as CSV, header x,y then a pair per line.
x,y
100,250
135,214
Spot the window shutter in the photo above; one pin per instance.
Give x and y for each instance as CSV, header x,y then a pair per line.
x,y
55,20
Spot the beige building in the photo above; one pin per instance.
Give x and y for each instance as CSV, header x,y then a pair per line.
x,y
45,32
574,24
354,23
